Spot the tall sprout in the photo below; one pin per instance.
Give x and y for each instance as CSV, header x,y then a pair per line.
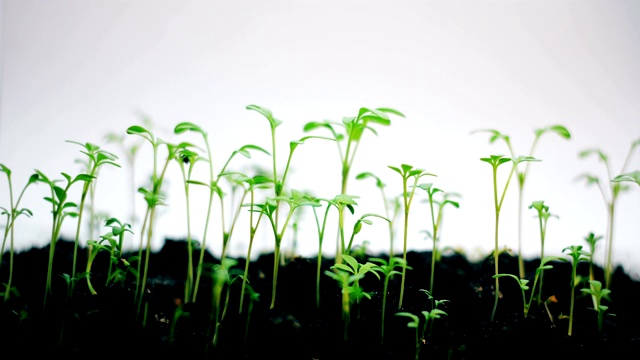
x,y
12,213
437,200
154,197
543,215
407,172
96,158
522,174
391,207
61,208
296,199
498,198
610,190
348,135
213,185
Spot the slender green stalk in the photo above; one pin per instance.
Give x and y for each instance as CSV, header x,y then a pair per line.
x,y
543,218
407,172
522,174
495,161
610,191
577,254
12,214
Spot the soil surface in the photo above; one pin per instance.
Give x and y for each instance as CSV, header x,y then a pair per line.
x,y
109,323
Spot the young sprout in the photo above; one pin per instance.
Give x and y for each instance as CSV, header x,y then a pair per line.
x,y
429,316
254,297
96,247
595,289
213,185
294,201
577,254
351,130
279,187
543,217
61,208
320,227
118,230
348,276
153,197
96,158
12,214
523,282
522,174
388,270
130,152
188,157
592,241
495,161
407,172
610,190
391,207
257,182
221,279
436,221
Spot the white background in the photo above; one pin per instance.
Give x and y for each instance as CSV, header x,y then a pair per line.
x,y
77,70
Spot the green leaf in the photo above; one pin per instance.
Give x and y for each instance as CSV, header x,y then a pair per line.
x,y
188,126
266,113
5,169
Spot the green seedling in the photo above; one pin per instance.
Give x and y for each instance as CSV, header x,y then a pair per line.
x,y
257,182
60,209
391,207
96,158
592,241
294,201
436,221
221,279
577,254
351,130
595,289
388,270
429,317
12,214
279,186
213,184
543,214
495,161
254,297
129,148
522,174
320,227
348,276
189,158
154,197
407,172
347,136
97,247
118,230
523,282
610,191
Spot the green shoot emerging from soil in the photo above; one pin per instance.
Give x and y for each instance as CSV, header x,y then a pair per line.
x,y
522,174
12,214
543,214
495,161
577,254
610,190
595,289
407,172
436,221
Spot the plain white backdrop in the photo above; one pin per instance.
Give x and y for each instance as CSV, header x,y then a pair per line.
x,y
78,70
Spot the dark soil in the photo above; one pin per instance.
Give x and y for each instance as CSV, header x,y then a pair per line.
x,y
106,324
